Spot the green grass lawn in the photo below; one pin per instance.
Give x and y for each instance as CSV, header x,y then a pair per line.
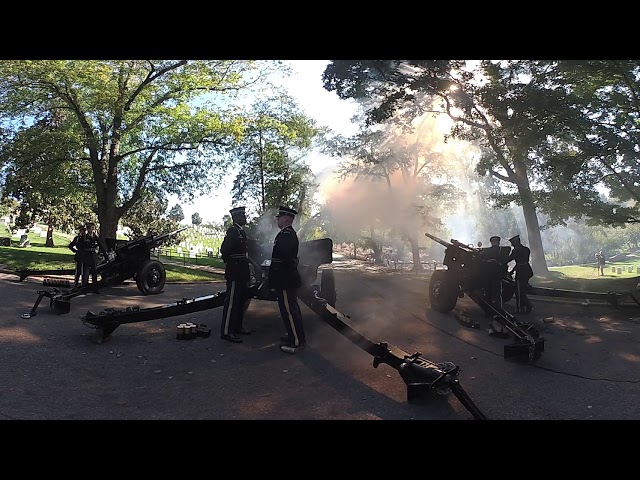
x,y
587,278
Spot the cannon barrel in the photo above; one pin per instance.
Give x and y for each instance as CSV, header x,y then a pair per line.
x,y
149,241
439,240
453,243
156,240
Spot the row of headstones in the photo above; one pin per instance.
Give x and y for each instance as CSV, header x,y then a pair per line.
x,y
622,269
193,251
21,232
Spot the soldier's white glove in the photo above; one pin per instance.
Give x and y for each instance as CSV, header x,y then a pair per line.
x,y
111,256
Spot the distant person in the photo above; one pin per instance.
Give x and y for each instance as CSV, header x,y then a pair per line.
x,y
285,278
73,246
236,272
600,261
520,254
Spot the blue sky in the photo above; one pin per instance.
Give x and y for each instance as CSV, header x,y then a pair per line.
x,y
305,85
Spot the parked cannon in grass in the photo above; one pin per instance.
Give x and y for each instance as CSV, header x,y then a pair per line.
x,y
131,259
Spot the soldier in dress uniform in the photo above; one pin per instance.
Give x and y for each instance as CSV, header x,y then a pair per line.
x,y
285,279
74,246
236,273
520,254
496,271
88,247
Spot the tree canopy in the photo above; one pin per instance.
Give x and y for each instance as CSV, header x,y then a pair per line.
x,y
542,130
129,124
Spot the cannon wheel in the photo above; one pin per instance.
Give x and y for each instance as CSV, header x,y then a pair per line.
x,y
443,291
508,291
328,286
151,277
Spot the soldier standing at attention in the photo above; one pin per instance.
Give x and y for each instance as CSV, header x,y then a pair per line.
x,y
520,254
285,279
496,271
236,273
89,248
74,246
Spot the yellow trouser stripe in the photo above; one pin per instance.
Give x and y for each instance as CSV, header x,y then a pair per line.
x,y
296,341
228,318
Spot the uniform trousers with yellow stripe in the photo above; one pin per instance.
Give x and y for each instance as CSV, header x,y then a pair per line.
x,y
291,315
233,309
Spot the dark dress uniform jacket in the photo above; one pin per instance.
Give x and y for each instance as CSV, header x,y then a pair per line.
x,y
495,267
75,245
283,272
91,244
234,254
521,255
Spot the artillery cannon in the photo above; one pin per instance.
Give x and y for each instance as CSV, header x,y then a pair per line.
x,y
468,272
131,259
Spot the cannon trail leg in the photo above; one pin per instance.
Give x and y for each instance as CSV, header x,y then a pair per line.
x,y
421,376
528,345
107,321
32,312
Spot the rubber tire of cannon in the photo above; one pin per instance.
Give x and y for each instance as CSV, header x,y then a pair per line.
x,y
328,286
151,277
508,291
443,291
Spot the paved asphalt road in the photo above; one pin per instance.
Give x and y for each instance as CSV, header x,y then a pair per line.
x,y
53,369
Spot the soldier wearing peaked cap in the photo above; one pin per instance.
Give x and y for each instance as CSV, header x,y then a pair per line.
x,y
285,279
89,245
496,269
74,246
236,273
520,255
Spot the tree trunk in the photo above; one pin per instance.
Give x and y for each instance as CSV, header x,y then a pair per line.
x,y
538,262
415,254
108,223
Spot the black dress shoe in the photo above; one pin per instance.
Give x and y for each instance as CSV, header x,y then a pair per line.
x,y
231,338
290,348
285,339
242,331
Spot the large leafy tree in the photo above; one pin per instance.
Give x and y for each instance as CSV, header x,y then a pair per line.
x,y
135,123
176,213
271,155
608,146
508,109
38,175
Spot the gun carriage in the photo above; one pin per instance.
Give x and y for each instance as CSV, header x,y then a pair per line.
x,y
130,259
467,272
